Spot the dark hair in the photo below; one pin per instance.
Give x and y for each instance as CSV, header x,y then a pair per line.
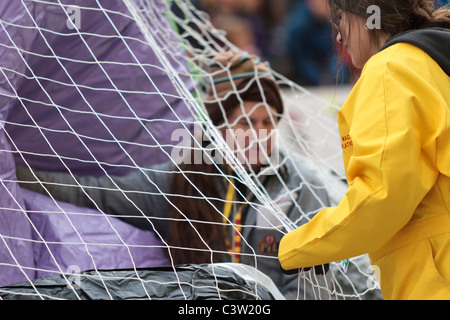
x,y
190,235
196,222
396,16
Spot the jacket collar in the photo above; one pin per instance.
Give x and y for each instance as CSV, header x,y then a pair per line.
x,y
434,41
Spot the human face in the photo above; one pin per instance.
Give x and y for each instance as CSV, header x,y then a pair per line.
x,y
251,133
353,35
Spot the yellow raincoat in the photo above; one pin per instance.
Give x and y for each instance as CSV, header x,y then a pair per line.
x,y
395,134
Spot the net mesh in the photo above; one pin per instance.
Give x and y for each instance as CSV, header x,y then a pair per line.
x,y
101,102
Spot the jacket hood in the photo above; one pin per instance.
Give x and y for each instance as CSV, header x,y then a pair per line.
x,y
434,41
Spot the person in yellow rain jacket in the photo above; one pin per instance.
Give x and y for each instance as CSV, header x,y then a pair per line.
x,y
395,134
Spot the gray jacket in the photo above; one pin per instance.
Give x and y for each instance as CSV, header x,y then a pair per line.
x,y
140,198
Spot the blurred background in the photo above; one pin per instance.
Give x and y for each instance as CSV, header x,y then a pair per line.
x,y
295,36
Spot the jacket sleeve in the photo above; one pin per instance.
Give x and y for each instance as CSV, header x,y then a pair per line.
x,y
389,168
133,197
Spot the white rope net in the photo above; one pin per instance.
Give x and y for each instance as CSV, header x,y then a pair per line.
x,y
100,101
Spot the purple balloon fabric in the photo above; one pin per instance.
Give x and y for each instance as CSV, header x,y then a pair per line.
x,y
16,249
104,100
70,238
92,104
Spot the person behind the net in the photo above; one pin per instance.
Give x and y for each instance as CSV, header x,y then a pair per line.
x,y
395,135
215,217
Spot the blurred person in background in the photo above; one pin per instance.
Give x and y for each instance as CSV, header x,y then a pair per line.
x,y
239,32
310,45
260,22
